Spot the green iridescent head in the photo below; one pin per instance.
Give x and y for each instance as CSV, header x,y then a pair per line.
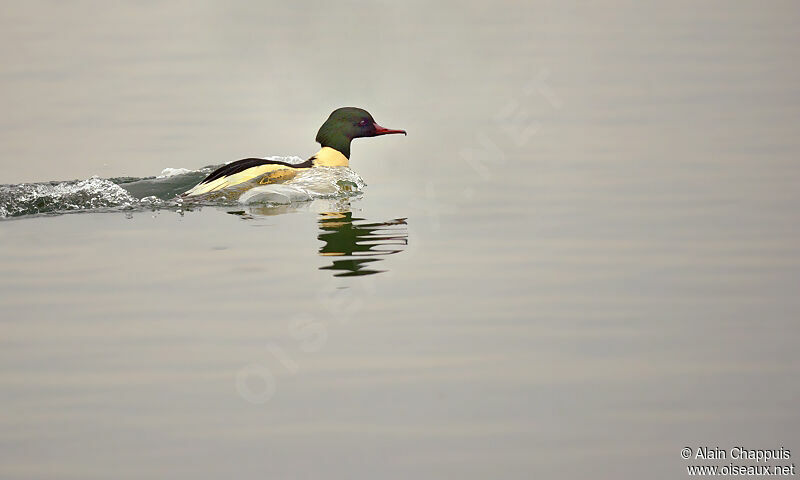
x,y
347,123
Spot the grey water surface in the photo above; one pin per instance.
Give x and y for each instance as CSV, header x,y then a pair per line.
x,y
584,257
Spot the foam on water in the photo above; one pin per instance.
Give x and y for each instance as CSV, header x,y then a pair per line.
x,y
36,198
319,182
277,194
328,181
171,172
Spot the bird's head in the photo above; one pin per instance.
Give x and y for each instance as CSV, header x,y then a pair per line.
x,y
346,123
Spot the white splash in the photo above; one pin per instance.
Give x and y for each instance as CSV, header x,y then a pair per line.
x,y
171,172
317,182
33,198
278,194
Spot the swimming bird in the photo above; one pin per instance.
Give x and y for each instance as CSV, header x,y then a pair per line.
x,y
341,127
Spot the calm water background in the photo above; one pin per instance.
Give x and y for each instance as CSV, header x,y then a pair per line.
x,y
603,253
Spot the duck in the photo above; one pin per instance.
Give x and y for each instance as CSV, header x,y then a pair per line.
x,y
334,136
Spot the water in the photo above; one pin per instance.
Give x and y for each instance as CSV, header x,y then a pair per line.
x,y
584,256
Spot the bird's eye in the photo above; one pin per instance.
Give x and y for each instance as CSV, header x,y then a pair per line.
x,y
362,123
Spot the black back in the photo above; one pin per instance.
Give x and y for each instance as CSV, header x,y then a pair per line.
x,y
244,164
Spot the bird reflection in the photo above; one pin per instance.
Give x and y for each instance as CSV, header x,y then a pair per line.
x,y
361,243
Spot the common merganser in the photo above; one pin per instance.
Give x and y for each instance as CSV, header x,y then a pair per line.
x,y
335,135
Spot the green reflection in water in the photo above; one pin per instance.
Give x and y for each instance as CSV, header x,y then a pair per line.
x,y
360,242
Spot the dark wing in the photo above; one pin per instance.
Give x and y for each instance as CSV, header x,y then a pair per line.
x,y
242,165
